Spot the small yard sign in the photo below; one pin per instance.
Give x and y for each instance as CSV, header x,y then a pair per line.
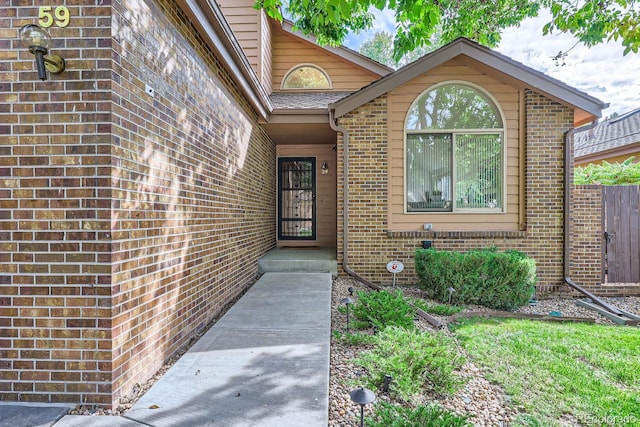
x,y
395,267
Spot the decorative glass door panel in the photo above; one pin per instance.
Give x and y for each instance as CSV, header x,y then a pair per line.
x,y
297,198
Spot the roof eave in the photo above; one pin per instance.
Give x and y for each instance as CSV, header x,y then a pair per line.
x,y
213,27
623,150
298,116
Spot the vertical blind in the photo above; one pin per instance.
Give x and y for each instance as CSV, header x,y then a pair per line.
x,y
440,178
478,171
429,167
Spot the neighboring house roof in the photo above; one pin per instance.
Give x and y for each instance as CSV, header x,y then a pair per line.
x,y
609,135
462,46
305,100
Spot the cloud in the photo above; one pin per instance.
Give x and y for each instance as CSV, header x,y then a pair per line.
x,y
382,21
601,71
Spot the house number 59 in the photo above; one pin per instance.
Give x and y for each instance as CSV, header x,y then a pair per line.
x,y
60,16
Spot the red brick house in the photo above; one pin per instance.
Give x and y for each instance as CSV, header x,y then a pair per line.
x,y
186,139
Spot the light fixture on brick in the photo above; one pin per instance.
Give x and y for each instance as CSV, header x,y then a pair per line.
x,y
38,41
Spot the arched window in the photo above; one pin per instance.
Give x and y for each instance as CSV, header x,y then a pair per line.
x,y
454,151
306,76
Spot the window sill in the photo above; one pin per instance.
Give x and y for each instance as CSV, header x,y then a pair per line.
x,y
484,234
445,207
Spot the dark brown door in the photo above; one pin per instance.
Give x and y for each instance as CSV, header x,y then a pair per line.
x,y
297,198
622,222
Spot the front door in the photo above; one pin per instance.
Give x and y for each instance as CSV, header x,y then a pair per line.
x,y
296,198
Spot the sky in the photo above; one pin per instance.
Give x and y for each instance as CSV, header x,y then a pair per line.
x,y
601,71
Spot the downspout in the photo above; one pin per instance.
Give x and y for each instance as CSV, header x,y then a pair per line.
x,y
345,219
345,201
568,138
522,163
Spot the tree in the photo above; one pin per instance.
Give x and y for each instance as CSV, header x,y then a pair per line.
x,y
380,48
590,21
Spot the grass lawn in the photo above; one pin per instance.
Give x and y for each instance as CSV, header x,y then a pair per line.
x,y
561,374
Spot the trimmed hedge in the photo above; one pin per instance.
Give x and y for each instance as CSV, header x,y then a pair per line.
x,y
499,280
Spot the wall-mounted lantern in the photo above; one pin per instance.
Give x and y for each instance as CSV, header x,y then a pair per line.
x,y
38,41
325,168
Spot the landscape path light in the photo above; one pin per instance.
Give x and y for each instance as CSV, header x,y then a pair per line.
x,y
362,396
38,41
347,301
451,291
385,384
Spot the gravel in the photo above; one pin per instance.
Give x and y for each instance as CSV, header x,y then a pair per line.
x,y
485,402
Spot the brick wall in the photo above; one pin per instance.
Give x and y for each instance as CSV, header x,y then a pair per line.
x,y
54,188
587,236
194,189
128,220
372,244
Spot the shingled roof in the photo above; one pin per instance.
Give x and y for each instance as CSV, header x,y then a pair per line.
x,y
305,100
608,135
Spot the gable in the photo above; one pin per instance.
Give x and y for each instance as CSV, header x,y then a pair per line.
x,y
586,107
290,51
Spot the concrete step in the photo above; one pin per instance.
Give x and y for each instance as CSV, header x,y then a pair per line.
x,y
293,260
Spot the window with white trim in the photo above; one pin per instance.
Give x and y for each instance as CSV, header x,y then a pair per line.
x,y
306,76
454,151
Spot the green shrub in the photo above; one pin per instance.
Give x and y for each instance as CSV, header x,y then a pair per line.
x,y
500,280
387,415
383,308
414,359
356,339
625,173
439,309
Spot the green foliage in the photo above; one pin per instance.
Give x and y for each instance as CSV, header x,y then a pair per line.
x,y
354,339
590,21
624,173
524,420
380,48
387,415
500,280
439,309
414,359
329,20
382,309
594,21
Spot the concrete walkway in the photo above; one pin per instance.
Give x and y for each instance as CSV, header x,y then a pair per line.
x,y
265,363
